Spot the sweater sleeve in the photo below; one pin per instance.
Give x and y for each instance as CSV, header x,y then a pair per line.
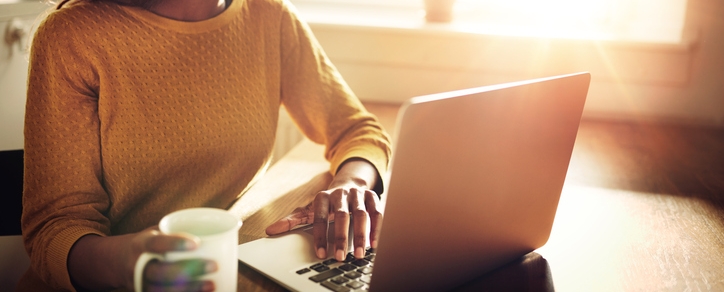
x,y
322,104
63,198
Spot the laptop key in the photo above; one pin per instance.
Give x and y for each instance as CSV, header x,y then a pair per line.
x,y
334,287
355,285
365,270
361,262
326,275
321,268
366,278
340,280
304,271
329,262
353,275
347,267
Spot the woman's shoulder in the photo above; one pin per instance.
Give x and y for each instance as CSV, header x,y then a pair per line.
x,y
79,15
77,24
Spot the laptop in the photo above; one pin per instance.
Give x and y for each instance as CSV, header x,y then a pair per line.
x,y
474,183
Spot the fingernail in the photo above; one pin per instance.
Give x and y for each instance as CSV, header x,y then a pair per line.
x,y
373,243
359,252
192,241
321,253
210,267
185,244
190,244
208,286
340,255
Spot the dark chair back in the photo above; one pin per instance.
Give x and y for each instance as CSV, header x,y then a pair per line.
x,y
11,191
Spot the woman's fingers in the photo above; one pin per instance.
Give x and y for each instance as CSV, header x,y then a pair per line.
x,y
182,275
167,274
374,211
201,286
339,206
298,217
343,206
161,243
320,223
360,206
360,218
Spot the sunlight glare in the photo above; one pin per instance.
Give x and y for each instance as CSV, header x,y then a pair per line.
x,y
644,20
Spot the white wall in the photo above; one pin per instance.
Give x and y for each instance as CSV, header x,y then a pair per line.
x,y
682,83
14,71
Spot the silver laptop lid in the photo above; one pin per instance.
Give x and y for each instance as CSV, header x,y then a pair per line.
x,y
475,180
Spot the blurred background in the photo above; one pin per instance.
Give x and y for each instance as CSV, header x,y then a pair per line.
x,y
653,60
650,60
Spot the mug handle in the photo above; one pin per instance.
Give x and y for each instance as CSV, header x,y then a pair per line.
x,y
140,267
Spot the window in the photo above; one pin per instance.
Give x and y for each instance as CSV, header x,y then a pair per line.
x,y
658,21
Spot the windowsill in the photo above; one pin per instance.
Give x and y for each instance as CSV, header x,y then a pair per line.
x,y
411,20
391,54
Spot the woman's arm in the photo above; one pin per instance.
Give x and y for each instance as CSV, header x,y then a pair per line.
x,y
65,199
357,147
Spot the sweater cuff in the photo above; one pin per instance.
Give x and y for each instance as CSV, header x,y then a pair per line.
x,y
57,254
377,157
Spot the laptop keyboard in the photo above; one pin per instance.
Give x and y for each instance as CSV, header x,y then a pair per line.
x,y
352,274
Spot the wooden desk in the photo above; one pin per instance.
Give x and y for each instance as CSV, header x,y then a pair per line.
x,y
642,210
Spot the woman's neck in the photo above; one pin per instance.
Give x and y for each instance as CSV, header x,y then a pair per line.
x,y
188,10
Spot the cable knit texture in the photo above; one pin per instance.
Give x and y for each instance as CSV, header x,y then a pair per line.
x,y
131,116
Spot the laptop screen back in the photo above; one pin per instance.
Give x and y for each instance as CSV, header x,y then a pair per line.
x,y
475,180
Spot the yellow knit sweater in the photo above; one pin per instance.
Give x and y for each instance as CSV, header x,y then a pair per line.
x,y
131,116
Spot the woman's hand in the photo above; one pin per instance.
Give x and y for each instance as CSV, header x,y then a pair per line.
x,y
177,276
348,197
102,263
339,203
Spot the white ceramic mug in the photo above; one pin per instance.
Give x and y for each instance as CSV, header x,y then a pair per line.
x,y
218,231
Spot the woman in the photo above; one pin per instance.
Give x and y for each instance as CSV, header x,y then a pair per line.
x,y
139,108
